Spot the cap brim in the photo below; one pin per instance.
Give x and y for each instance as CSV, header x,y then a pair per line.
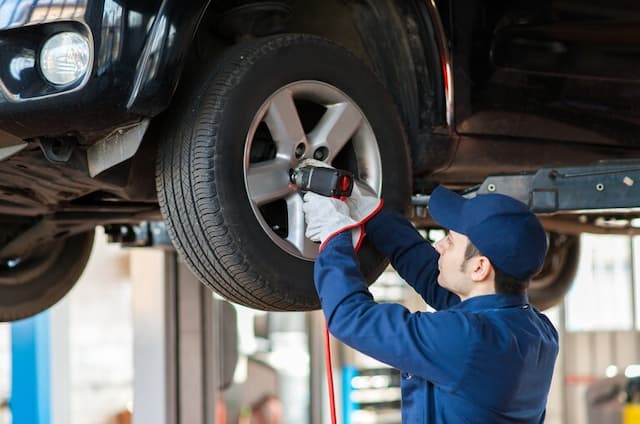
x,y
445,207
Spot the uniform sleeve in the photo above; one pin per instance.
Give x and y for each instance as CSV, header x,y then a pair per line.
x,y
431,345
411,255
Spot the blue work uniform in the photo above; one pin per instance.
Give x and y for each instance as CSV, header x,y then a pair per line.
x,y
488,359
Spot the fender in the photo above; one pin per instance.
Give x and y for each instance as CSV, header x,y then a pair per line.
x,y
163,55
407,47
439,37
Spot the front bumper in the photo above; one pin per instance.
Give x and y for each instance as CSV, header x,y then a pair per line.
x,y
138,50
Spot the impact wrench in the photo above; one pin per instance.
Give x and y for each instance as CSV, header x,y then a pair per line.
x,y
328,182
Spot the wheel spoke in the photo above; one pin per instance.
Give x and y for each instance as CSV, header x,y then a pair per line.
x,y
336,127
269,181
284,122
297,228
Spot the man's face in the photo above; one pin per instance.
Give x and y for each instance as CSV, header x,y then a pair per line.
x,y
454,274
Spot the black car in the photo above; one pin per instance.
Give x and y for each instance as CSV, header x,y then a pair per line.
x,y
115,112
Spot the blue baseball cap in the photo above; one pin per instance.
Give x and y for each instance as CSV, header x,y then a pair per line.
x,y
501,227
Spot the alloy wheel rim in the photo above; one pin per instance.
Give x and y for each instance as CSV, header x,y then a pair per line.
x,y
304,119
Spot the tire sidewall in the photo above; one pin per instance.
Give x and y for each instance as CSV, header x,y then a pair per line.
x,y
554,291
51,284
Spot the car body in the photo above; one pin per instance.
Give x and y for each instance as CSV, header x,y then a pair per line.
x,y
480,88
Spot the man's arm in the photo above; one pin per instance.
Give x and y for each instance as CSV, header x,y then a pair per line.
x,y
411,255
432,346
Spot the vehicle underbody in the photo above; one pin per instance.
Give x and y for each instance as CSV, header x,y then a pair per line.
x,y
470,107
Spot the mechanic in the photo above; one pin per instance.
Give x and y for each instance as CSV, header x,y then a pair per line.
x,y
486,355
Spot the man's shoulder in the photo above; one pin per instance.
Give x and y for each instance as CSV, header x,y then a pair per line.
x,y
546,322
504,323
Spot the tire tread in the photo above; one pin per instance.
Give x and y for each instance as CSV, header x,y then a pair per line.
x,y
187,184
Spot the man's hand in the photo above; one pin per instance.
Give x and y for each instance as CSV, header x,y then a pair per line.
x,y
364,204
315,163
326,217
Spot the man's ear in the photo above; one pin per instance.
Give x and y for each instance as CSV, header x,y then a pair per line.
x,y
481,268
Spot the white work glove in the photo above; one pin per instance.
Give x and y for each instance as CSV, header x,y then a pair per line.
x,y
364,204
327,217
315,162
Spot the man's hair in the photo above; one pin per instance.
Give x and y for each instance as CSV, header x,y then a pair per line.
x,y
505,283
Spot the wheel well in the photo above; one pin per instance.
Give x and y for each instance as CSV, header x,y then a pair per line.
x,y
395,38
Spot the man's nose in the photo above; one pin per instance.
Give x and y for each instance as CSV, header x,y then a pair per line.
x,y
439,247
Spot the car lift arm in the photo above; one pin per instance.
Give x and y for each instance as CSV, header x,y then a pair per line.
x,y
599,198
570,199
604,186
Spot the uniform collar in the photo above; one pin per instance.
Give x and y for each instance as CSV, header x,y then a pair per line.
x,y
491,301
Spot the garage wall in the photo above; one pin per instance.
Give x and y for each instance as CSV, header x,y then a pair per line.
x,y
92,326
101,336
5,370
597,323
587,355
556,399
599,328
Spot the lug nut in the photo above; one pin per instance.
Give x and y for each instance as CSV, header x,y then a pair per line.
x,y
321,153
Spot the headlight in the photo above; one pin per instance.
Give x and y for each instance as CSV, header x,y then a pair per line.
x,y
65,58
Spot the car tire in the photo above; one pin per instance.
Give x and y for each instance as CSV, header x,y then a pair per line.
x,y
221,168
32,284
551,284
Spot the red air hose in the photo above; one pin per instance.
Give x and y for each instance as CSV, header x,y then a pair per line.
x,y
327,341
327,355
